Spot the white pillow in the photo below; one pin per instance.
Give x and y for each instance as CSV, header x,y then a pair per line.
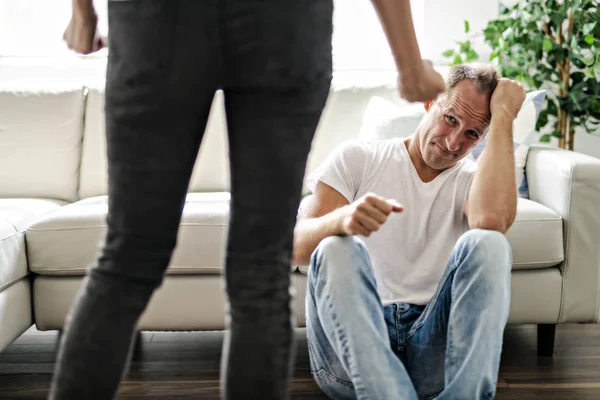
x,y
385,120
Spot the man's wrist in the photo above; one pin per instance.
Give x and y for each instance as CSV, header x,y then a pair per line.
x,y
503,115
336,222
501,123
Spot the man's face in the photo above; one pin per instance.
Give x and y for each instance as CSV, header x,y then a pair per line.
x,y
454,124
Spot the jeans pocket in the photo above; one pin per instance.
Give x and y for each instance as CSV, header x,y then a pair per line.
x,y
142,38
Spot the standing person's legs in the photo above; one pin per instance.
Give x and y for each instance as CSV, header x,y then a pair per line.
x,y
160,84
348,330
453,349
277,77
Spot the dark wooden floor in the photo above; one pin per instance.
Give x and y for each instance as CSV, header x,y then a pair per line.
x,y
187,365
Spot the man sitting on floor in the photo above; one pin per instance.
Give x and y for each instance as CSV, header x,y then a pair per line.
x,y
416,307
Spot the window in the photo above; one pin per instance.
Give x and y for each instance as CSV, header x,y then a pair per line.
x,y
34,28
359,42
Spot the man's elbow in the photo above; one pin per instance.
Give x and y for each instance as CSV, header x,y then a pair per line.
x,y
493,222
300,258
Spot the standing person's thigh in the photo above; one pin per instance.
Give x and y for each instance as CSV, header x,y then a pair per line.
x,y
161,79
277,77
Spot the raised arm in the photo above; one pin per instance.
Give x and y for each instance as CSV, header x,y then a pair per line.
x,y
417,80
492,198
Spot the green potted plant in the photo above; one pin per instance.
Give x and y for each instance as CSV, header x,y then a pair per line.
x,y
552,45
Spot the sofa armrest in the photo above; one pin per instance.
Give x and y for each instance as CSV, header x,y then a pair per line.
x,y
569,183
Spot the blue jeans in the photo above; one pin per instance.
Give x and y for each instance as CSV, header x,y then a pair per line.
x,y
449,349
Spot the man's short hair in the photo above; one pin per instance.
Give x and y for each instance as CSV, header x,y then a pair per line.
x,y
485,77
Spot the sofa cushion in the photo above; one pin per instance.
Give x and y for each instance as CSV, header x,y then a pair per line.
x,y
67,241
41,143
15,216
536,237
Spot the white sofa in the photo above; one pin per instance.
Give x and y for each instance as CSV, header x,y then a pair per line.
x,y
53,205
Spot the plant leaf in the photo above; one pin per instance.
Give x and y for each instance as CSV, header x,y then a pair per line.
x,y
472,55
508,33
542,119
590,73
465,46
547,45
545,138
587,60
557,18
501,43
589,39
577,77
467,28
448,53
587,28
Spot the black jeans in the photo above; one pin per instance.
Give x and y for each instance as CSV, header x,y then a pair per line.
x,y
272,59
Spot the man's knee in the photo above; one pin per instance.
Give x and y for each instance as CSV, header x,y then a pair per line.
x,y
488,249
339,253
335,245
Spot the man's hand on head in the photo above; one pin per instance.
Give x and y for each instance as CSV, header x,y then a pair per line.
x,y
507,99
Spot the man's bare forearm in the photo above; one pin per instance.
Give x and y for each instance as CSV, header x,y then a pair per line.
x,y
492,200
309,232
396,19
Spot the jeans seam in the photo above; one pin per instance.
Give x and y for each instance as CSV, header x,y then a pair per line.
x,y
413,330
451,271
340,334
396,324
335,378
449,347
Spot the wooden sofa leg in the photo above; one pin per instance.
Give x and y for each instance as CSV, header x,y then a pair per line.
x,y
545,339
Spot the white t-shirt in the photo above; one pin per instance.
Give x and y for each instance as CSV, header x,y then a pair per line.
x,y
410,251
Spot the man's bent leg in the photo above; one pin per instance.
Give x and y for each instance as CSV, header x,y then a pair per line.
x,y
456,343
349,347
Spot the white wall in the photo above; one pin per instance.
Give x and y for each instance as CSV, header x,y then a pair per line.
x,y
587,144
444,24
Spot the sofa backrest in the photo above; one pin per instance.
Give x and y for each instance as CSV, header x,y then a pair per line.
x,y
341,121
40,143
